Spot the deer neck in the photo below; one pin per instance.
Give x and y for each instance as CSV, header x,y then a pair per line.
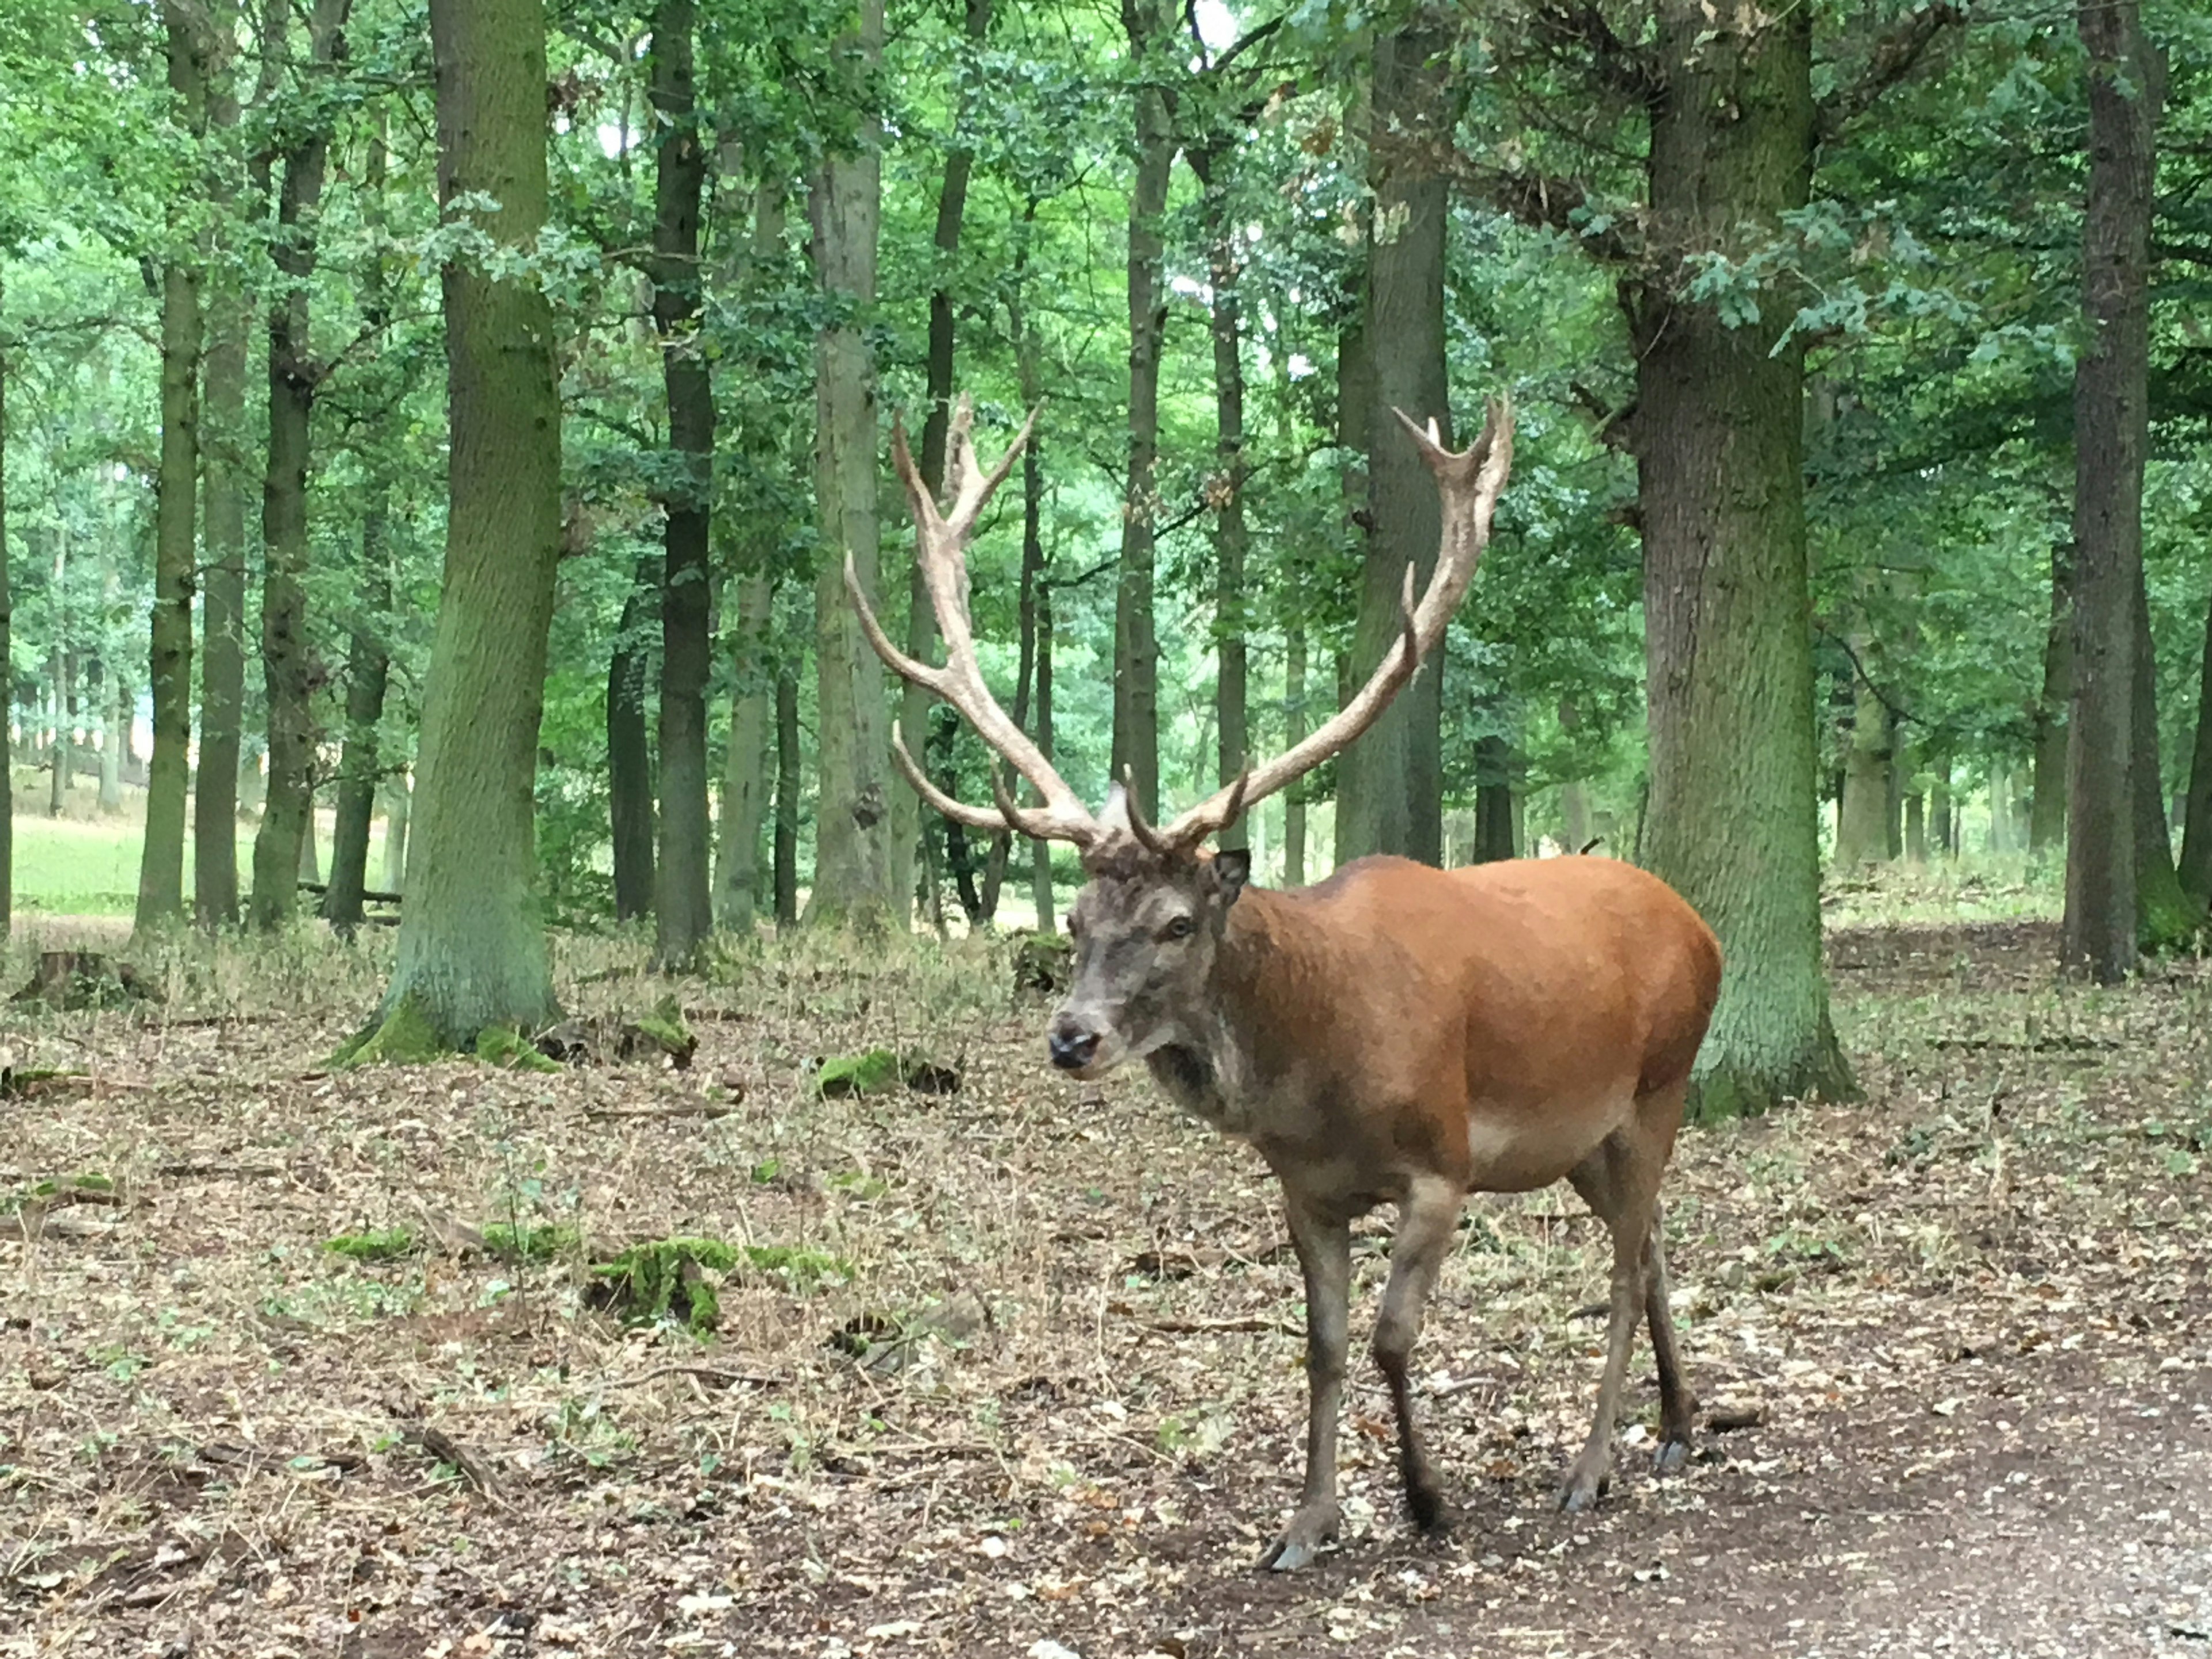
x,y
1220,1069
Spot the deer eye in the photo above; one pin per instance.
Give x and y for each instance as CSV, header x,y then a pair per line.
x,y
1180,927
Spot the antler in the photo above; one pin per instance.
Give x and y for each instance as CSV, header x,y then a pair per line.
x,y
942,542
1470,482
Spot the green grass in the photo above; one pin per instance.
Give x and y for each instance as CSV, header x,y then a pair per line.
x,y
74,866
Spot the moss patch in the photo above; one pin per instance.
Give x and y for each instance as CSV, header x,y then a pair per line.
x,y
90,1187
381,1244
870,1073
526,1243
678,1280
508,1048
405,1036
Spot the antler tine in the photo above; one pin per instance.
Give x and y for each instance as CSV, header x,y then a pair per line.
x,y
1152,842
941,549
1470,482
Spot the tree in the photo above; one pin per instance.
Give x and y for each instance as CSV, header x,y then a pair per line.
x,y
2196,867
2112,420
629,753
169,673
852,819
471,952
6,626
1390,787
683,910
294,378
1136,639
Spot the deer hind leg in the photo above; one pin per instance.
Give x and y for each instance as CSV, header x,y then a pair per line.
x,y
1426,1221
1324,1246
1678,1405
1620,1182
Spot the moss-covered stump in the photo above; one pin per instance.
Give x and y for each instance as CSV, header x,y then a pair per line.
x,y
660,1035
509,1049
880,1070
75,979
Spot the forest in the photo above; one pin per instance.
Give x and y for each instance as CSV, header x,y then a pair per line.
x,y
524,1132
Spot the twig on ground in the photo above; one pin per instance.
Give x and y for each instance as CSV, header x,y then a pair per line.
x,y
711,1373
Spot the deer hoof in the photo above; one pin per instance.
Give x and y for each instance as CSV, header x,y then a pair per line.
x,y
1301,1540
1582,1488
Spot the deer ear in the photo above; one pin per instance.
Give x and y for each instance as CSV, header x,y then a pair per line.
x,y
1232,867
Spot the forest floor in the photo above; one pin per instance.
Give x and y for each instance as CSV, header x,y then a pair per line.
x,y
1031,1384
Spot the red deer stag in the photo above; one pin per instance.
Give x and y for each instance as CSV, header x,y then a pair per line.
x,y
1397,1034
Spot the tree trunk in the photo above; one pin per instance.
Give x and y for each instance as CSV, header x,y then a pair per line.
x,y
2111,435
1136,756
745,779
1862,819
360,764
222,598
853,819
908,816
311,868
7,624
788,762
1295,728
471,951
683,912
629,754
1495,826
1390,782
2195,871
396,800
249,779
1225,490
2166,918
294,376
1939,806
1719,436
2047,824
115,720
169,661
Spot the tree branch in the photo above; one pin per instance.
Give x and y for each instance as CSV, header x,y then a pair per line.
x,y
1543,202
1894,57
1619,67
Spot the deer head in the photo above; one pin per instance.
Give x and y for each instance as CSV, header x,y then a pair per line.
x,y
1149,922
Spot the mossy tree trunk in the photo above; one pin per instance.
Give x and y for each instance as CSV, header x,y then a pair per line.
x,y
471,952
295,378
222,581
2167,917
853,821
788,762
7,624
1718,436
1390,782
683,913
2112,418
361,765
169,668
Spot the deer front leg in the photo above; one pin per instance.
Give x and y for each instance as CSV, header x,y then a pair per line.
x,y
1324,1246
1427,1220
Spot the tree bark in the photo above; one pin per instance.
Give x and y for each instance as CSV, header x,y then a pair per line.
x,y
1225,490
294,378
1295,728
223,596
169,665
787,764
2167,917
2047,824
1939,807
1718,437
629,753
471,951
853,821
1495,836
2195,871
745,779
360,764
396,800
1136,754
7,625
2111,434
683,910
909,814
1862,816
114,720
1390,782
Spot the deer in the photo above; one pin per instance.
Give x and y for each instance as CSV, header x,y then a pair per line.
x,y
1397,1034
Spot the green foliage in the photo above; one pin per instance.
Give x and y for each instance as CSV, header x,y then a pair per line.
x,y
676,1279
381,1244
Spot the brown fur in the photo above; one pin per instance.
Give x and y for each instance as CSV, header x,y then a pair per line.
x,y
1404,1034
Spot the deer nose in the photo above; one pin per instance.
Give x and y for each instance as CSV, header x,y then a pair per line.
x,y
1072,1045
